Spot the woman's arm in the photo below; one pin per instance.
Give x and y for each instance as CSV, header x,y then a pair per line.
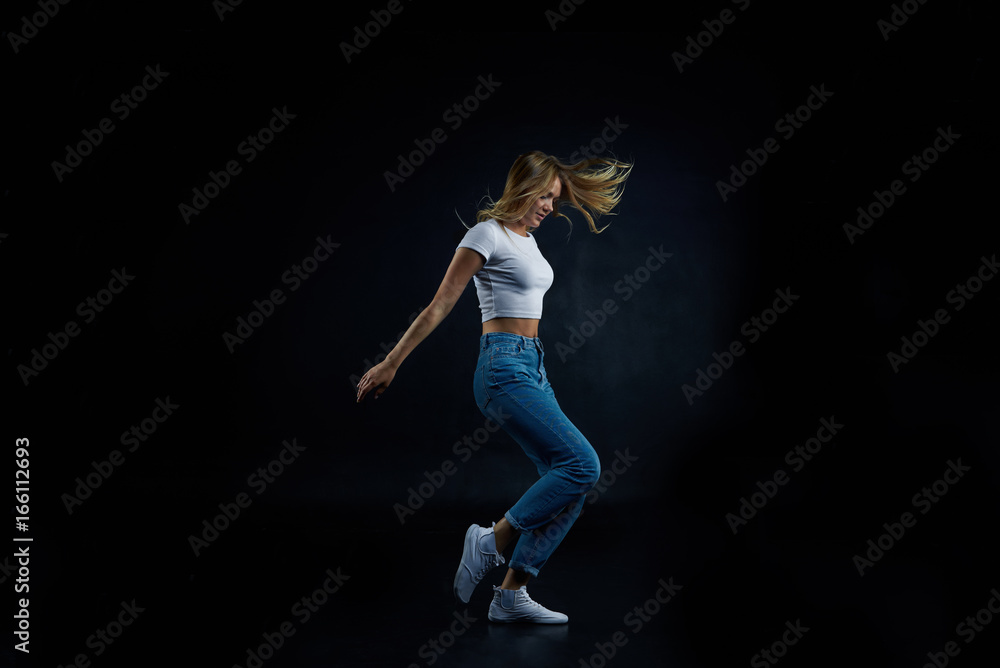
x,y
463,267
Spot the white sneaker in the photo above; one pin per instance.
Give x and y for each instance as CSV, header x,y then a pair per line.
x,y
514,605
478,558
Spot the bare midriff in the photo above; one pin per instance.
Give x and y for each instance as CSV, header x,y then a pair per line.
x,y
521,326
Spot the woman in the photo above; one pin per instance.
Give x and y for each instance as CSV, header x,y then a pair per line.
x,y
511,278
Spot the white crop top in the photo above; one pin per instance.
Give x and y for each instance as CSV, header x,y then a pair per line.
x,y
515,277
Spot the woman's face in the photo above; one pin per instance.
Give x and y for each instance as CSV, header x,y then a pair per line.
x,y
543,205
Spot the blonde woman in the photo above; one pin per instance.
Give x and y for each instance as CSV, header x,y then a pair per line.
x,y
511,278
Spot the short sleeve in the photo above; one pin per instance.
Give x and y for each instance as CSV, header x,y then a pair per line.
x,y
480,239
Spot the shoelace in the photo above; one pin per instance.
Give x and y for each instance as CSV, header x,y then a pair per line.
x,y
530,601
492,561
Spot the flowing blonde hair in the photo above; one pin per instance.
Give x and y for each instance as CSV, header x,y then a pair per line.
x,y
593,186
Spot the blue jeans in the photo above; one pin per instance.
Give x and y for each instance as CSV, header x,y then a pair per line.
x,y
511,382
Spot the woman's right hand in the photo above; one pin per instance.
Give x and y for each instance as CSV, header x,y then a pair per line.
x,y
376,378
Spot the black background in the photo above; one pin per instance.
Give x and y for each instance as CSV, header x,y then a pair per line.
x,y
323,176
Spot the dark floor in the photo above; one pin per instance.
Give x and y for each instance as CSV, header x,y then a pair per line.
x,y
727,598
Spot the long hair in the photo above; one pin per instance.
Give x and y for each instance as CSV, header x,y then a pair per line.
x,y
593,186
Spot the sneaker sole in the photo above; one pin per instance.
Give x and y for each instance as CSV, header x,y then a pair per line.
x,y
526,621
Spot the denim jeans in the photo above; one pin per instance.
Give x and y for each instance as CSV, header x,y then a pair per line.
x,y
511,380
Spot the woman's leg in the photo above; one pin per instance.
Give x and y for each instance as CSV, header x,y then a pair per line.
x,y
544,540
511,387
567,464
568,468
504,533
